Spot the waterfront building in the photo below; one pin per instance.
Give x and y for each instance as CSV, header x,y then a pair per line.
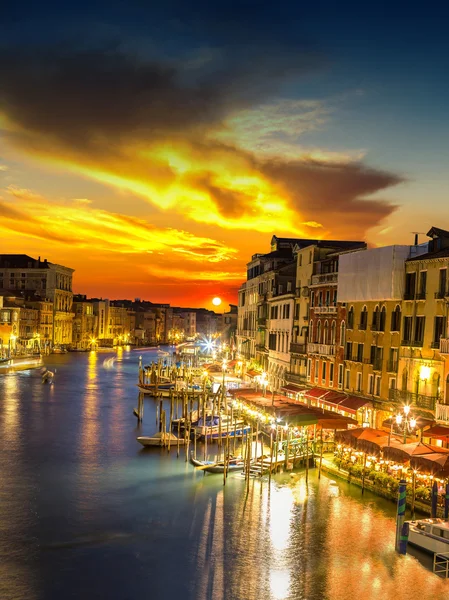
x,y
317,312
47,280
84,324
371,285
279,326
424,352
229,324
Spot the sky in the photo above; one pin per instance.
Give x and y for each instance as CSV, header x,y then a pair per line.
x,y
154,147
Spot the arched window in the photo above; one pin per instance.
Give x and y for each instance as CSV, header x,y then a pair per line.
x,y
375,323
383,317
396,319
326,333
333,332
310,336
318,333
351,318
342,333
363,318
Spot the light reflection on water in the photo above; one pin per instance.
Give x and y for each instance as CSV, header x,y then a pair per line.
x,y
86,513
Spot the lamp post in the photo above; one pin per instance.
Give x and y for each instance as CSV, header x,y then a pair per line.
x,y
264,383
405,421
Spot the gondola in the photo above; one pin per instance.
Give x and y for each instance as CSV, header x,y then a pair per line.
x,y
235,465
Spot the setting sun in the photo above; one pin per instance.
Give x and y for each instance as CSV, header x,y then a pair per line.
x,y
216,301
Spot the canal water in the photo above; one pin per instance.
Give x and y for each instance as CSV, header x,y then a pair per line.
x,y
86,513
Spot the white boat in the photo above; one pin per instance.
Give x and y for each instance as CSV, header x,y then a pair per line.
x,y
161,438
431,535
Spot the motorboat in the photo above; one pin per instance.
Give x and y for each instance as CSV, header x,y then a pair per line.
x,y
210,466
213,429
431,535
150,389
161,438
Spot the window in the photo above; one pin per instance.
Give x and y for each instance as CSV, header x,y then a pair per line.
x,y
320,299
331,374
309,368
410,285
372,355
407,337
375,324
422,284
326,333
342,334
363,318
420,324
347,378
287,311
317,367
310,258
383,318
348,352
359,382
392,383
318,333
312,299
438,330
300,260
334,299
371,384
297,306
396,319
333,329
359,353
272,341
340,377
323,372
442,284
328,298
351,318
377,388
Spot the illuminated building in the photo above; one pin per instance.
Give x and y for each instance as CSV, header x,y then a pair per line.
x,y
48,281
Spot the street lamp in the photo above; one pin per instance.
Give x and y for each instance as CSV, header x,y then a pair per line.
x,y
264,383
405,421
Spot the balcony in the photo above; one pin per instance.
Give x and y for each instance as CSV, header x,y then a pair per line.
x,y
362,326
298,348
261,348
295,377
442,412
392,366
444,345
261,320
413,343
441,295
409,296
324,349
421,296
420,400
377,364
325,310
324,278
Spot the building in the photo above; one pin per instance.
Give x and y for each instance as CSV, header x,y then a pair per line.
x,y
48,281
371,285
423,377
84,335
280,325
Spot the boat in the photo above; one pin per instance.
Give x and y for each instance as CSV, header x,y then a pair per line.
x,y
235,464
47,376
431,535
150,389
212,429
161,438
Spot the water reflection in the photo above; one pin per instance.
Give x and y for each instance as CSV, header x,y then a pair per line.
x,y
83,509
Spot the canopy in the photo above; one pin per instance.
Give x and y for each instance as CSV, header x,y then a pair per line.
x,y
403,452
438,432
365,439
437,463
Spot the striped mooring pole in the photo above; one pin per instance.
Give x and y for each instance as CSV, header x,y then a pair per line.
x,y
446,502
400,516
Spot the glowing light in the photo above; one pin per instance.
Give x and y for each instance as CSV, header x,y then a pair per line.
x,y
398,419
424,373
406,409
216,301
413,423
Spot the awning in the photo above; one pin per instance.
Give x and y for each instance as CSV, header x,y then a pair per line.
x,y
438,432
252,373
353,403
292,387
316,392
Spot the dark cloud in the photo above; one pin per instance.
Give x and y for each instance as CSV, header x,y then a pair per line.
x,y
334,195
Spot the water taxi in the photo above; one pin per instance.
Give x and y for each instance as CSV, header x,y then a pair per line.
x,y
431,535
213,429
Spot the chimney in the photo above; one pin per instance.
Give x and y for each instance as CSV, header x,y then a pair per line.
x,y
416,239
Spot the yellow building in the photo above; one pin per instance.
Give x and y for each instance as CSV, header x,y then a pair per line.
x,y
423,366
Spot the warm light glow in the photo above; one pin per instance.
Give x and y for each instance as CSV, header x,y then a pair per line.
x,y
406,409
398,419
216,301
413,423
424,373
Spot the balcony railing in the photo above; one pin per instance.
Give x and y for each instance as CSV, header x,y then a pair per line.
x,y
444,345
325,349
392,366
325,310
261,348
414,343
420,400
295,377
362,326
377,364
409,296
324,278
421,296
442,412
441,294
298,348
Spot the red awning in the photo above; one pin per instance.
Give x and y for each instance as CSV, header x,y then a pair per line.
x,y
292,387
438,432
353,403
316,392
252,373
